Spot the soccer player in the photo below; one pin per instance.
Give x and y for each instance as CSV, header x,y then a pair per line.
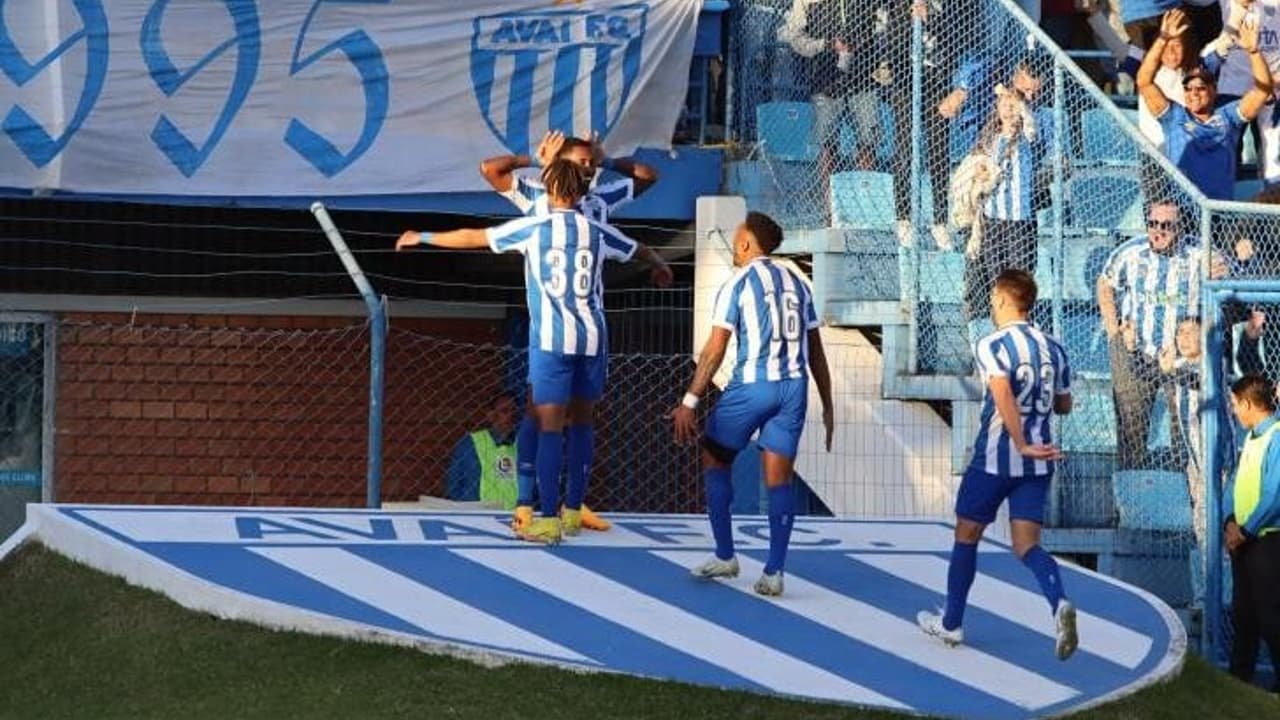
x,y
564,254
770,308
530,197
1028,379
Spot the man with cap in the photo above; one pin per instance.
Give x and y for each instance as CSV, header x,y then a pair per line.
x,y
1200,140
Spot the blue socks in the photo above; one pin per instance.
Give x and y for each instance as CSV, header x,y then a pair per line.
x,y
719,500
550,455
782,512
526,460
964,565
1046,570
581,450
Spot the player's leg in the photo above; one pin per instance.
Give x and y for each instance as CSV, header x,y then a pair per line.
x,y
551,376
978,500
526,465
589,377
729,427
1026,517
779,441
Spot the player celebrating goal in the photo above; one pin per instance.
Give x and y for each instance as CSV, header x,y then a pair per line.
x,y
1028,379
530,197
564,254
770,308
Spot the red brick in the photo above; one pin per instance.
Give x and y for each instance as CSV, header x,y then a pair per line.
x,y
143,355
160,373
175,391
236,465
156,410
244,356
174,428
187,447
126,336
126,445
93,373
208,393
255,484
208,356
223,411
127,373
171,320
227,339
158,447
226,374
224,484
93,409
111,391
190,485
74,465
191,411
175,355
75,390
134,428
174,466
126,409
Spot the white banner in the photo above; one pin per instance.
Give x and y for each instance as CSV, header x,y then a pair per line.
x,y
324,97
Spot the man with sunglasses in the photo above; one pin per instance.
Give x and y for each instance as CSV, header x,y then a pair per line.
x,y
1148,287
1200,140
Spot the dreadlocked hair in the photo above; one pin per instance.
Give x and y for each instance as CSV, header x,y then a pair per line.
x,y
563,179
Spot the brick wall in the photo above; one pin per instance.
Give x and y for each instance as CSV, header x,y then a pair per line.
x,y
240,410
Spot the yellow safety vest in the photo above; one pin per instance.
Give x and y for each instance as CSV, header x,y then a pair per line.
x,y
497,470
1248,488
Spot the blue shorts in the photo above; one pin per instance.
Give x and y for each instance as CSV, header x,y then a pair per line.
x,y
556,378
776,409
981,494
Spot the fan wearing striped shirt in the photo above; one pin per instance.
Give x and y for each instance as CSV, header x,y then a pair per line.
x,y
564,253
769,307
1028,381
529,196
1014,140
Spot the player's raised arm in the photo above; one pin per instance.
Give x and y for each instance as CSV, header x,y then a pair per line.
x,y
822,378
499,171
686,423
465,239
643,176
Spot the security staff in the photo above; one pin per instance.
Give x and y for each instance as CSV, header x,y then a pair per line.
x,y
1251,506
483,464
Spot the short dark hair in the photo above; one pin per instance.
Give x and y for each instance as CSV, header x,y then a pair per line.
x,y
765,230
1257,390
564,179
1019,285
572,142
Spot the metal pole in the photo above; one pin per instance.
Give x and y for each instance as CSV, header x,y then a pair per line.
x,y
1211,410
911,290
377,351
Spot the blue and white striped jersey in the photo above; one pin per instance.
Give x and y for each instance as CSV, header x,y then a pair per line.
x,y
530,197
1013,197
1155,291
769,307
1036,365
564,253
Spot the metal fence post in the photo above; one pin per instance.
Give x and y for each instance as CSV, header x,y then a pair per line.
x,y
377,352
911,286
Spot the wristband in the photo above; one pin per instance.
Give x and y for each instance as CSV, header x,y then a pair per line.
x,y
1166,37
690,401
424,238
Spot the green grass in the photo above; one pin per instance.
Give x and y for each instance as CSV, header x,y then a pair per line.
x,y
75,643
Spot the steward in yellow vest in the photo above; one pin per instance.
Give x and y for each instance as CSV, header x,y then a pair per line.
x,y
1251,506
483,464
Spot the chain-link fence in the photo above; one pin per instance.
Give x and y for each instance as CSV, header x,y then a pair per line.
x,y
23,435
956,136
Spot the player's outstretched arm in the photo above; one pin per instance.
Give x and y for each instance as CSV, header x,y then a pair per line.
x,y
465,239
659,270
822,378
1007,406
683,417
